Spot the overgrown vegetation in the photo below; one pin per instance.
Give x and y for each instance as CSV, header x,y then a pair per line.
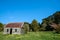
x,y
35,25
31,36
53,21
1,27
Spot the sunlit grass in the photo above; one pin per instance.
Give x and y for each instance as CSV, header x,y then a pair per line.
x,y
31,36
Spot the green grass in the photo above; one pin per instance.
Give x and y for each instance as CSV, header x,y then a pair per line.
x,y
31,36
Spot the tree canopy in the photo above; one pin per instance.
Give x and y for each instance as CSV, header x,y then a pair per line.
x,y
35,25
1,27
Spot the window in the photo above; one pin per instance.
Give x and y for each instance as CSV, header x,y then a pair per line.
x,y
15,30
7,30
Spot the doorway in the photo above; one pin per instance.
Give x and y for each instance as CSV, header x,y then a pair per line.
x,y
11,31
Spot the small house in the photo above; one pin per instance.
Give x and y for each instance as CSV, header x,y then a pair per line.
x,y
14,28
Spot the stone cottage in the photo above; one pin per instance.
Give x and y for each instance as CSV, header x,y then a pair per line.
x,y
14,28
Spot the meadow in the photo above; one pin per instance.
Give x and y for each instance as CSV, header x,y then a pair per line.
x,y
31,36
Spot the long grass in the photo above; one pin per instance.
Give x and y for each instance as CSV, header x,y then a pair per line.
x,y
31,36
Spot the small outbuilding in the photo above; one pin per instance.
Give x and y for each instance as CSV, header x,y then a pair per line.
x,y
14,28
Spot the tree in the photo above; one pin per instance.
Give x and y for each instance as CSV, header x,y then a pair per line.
x,y
1,27
44,24
56,23
30,28
49,28
35,25
56,27
52,22
26,27
57,17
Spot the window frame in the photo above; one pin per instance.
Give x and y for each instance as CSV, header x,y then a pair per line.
x,y
15,30
7,30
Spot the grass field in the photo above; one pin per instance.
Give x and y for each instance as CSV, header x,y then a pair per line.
x,y
31,36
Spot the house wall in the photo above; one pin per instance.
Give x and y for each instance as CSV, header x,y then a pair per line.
x,y
19,31
5,31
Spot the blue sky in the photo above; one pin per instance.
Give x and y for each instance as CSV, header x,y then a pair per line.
x,y
27,10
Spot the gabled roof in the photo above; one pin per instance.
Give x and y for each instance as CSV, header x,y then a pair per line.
x,y
14,25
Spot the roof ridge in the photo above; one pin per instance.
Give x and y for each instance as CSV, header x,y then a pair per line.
x,y
20,24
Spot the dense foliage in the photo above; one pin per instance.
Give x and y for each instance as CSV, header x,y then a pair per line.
x,y
52,20
26,27
1,27
35,25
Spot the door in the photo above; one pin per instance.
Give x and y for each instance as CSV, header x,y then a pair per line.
x,y
11,31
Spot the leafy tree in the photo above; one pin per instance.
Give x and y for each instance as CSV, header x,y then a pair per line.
x,y
44,24
35,25
49,28
57,17
26,27
56,22
56,27
39,25
1,27
30,28
50,19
